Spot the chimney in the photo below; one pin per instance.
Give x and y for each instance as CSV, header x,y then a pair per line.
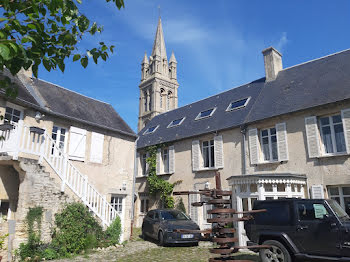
x,y
273,63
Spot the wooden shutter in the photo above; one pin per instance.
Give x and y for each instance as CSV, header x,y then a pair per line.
x,y
96,150
345,114
193,210
195,155
282,144
312,136
171,160
77,141
317,192
219,152
158,160
253,146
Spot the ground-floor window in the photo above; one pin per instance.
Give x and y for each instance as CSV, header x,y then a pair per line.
x,y
144,205
341,194
4,208
117,203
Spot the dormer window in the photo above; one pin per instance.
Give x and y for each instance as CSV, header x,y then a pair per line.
x,y
206,113
238,104
151,130
176,122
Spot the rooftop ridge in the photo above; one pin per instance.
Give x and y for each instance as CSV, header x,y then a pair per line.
x,y
73,91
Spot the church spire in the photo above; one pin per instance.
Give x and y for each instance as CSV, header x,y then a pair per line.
x,y
159,44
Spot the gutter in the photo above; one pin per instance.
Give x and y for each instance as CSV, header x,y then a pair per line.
x,y
133,187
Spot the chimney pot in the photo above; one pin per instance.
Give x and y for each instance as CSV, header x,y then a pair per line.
x,y
273,63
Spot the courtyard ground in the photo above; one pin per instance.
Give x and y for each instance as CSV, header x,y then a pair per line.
x,y
145,251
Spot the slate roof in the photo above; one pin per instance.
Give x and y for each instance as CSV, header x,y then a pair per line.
x,y
56,100
314,83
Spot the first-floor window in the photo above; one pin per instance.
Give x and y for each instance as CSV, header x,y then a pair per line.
x,y
144,205
12,115
165,156
117,203
144,164
59,137
332,134
208,153
269,144
341,195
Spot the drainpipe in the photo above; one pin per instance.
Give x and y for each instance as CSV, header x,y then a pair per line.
x,y
244,131
133,188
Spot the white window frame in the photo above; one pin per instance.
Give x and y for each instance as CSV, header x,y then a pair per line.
x,y
147,132
331,125
143,202
118,204
172,125
211,147
262,159
340,194
198,117
58,138
229,109
165,160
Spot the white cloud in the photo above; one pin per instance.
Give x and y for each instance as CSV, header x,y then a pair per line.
x,y
282,42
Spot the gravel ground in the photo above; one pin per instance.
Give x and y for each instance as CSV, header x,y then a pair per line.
x,y
146,251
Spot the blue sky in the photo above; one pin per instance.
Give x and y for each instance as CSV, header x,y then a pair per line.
x,y
217,44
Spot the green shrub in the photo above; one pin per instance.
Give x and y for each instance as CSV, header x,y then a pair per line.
x,y
180,205
49,253
75,227
113,232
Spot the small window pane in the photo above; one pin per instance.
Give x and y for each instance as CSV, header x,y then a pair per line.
x,y
238,104
264,133
333,191
274,148
324,121
253,188
273,131
336,119
206,113
268,187
339,138
15,119
9,110
16,113
281,187
327,139
346,190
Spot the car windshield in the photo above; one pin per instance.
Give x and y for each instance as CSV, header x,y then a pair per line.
x,y
173,215
338,210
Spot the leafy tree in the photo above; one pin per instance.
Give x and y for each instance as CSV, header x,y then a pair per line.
x,y
46,31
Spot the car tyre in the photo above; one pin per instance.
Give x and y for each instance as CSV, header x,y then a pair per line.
x,y
161,238
276,253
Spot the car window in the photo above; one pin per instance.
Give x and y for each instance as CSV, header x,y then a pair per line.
x,y
173,215
150,214
311,211
277,214
156,216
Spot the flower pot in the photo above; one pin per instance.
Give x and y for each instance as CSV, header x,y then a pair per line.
x,y
6,127
36,130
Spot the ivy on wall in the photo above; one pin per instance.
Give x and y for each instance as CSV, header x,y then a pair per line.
x,y
156,184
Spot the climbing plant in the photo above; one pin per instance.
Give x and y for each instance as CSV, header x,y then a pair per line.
x,y
156,184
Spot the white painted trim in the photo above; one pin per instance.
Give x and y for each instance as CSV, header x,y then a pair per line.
x,y
229,109
212,112
170,124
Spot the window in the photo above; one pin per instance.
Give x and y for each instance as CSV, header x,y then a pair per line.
x,y
168,100
59,137
162,96
176,122
238,104
145,96
208,153
150,102
206,113
144,164
332,134
341,195
165,156
144,205
311,211
278,213
12,115
151,130
269,144
117,203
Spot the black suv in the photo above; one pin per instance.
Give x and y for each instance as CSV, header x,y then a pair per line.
x,y
306,229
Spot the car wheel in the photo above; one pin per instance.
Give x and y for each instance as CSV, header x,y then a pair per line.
x,y
276,253
161,238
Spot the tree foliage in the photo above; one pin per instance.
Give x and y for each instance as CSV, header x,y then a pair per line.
x,y
46,32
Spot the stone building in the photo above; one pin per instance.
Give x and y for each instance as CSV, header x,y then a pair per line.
x,y
59,146
284,135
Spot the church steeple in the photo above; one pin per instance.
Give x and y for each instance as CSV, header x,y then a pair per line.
x,y
158,87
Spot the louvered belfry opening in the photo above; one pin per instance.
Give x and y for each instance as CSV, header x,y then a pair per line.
x,y
222,220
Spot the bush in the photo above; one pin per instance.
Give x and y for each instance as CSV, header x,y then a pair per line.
x,y
76,230
180,205
113,232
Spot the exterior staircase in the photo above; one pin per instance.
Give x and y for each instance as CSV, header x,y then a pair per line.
x,y
36,143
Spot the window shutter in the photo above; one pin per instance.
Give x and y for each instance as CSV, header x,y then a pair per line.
x,y
312,136
219,152
171,160
253,146
158,160
317,192
346,124
282,144
77,141
96,150
193,210
195,155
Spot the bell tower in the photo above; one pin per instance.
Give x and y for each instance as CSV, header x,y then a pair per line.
x,y
158,87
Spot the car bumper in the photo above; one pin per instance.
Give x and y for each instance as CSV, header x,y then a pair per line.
x,y
175,238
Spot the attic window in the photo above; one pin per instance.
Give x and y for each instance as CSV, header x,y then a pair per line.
x,y
206,113
176,122
151,130
238,104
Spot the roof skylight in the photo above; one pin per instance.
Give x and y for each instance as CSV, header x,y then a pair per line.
x,y
238,104
151,130
176,122
206,113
